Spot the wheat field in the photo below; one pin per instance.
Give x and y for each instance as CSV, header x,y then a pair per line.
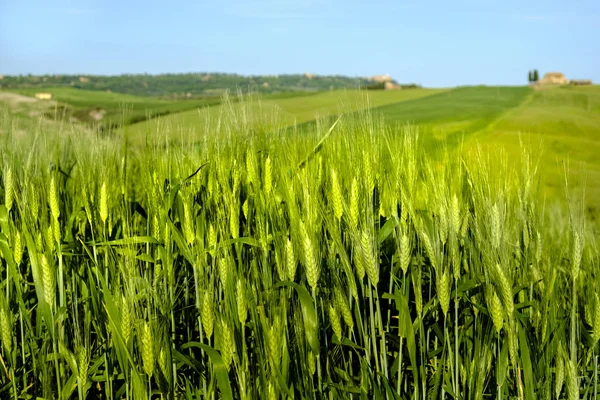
x,y
260,262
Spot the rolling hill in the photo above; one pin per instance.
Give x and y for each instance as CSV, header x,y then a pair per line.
x,y
557,124
281,111
560,125
111,109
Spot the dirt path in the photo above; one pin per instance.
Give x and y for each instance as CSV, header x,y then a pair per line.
x,y
15,99
25,105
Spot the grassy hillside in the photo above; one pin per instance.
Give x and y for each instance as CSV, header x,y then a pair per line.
x,y
562,125
563,122
559,125
462,110
117,109
286,111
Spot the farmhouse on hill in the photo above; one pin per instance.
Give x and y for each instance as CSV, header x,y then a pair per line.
x,y
381,78
554,78
383,82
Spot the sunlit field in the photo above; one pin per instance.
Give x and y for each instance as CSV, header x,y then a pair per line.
x,y
413,245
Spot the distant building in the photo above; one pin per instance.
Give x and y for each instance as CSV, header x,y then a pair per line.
x,y
309,75
554,78
581,82
44,96
381,78
1,77
391,86
83,79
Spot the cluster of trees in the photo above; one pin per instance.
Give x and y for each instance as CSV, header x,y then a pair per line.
x,y
186,85
533,76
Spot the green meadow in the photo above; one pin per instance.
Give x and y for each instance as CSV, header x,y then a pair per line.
x,y
117,108
283,111
122,109
561,125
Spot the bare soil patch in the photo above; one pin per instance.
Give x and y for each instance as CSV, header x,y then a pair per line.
x,y
15,99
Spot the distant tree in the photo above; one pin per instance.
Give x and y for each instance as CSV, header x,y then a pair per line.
x,y
530,76
535,75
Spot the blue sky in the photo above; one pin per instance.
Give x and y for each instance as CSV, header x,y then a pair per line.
x,y
435,43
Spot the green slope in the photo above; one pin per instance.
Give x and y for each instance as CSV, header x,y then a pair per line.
x,y
117,107
461,110
561,126
282,111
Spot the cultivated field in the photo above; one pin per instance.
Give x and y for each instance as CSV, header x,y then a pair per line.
x,y
282,111
563,125
248,250
560,125
112,109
